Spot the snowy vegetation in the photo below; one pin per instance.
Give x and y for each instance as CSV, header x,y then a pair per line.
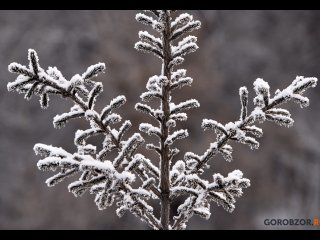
x,y
114,181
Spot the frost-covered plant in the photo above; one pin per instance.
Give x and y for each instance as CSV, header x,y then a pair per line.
x,y
112,181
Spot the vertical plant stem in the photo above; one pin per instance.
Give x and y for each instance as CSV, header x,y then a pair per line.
x,y
165,161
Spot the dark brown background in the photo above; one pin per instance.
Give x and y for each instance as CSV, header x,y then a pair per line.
x,y
236,47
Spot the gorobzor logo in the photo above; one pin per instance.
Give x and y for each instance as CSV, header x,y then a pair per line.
x,y
292,222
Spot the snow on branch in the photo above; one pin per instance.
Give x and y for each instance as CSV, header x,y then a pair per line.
x,y
181,83
144,108
128,149
243,92
60,121
213,125
148,48
34,81
106,179
183,24
265,110
188,27
55,158
129,179
160,88
181,20
140,159
180,134
223,191
149,129
192,103
94,71
144,19
114,104
149,38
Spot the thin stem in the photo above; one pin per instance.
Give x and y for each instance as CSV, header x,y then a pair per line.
x,y
165,161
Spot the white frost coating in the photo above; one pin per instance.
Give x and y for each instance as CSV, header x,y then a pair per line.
x,y
184,49
98,175
208,124
115,103
180,73
188,27
87,149
300,84
186,40
145,36
56,74
90,114
158,114
148,48
181,20
153,84
142,192
33,61
261,86
231,127
82,135
171,123
11,86
130,177
49,150
112,119
254,130
303,101
142,18
192,103
182,133
149,129
193,178
226,152
94,70
111,181
286,93
50,162
243,91
258,115
253,144
179,117
145,109
76,80
187,81
179,166
280,119
279,111
140,161
105,166
128,148
115,133
176,61
235,175
147,96
18,68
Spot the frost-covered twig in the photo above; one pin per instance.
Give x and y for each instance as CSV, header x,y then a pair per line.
x,y
265,109
160,87
112,180
222,190
96,170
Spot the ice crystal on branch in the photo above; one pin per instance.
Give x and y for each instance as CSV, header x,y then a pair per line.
x,y
130,180
108,180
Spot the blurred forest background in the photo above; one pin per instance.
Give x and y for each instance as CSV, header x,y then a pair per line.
x,y
236,47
